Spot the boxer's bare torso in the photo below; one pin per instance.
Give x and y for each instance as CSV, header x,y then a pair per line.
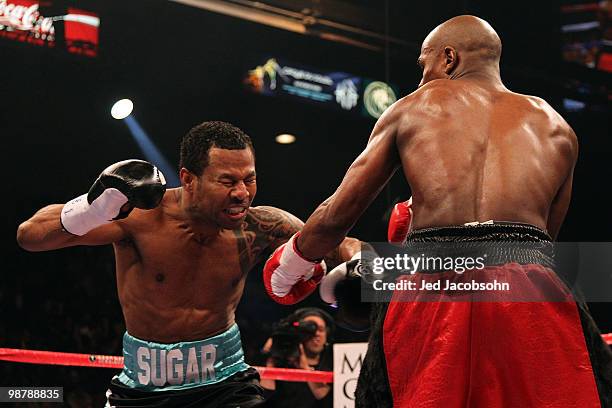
x,y
473,151
175,284
470,149
181,267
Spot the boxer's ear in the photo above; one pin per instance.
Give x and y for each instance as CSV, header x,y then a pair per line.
x,y
187,179
451,59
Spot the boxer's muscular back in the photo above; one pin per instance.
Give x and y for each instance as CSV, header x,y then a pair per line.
x,y
471,152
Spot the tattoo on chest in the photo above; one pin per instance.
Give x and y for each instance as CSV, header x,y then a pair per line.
x,y
248,249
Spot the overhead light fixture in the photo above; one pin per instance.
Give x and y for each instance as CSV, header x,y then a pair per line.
x,y
305,21
122,109
285,138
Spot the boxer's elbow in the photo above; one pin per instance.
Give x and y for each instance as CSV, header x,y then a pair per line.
x,y
26,237
22,236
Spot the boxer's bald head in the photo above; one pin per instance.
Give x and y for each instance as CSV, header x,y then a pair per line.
x,y
467,34
461,45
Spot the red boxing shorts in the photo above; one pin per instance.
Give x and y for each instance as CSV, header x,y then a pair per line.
x,y
452,347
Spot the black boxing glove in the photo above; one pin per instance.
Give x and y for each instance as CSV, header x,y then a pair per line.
x,y
136,182
342,288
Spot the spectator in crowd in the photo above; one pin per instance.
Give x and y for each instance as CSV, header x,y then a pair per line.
x,y
301,340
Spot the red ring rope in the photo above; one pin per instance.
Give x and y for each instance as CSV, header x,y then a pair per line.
x,y
97,360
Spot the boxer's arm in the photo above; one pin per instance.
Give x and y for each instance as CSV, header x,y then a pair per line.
x,y
364,180
560,204
44,232
343,252
280,225
287,277
91,218
276,225
559,208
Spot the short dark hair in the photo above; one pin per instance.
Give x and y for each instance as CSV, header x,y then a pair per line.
x,y
201,138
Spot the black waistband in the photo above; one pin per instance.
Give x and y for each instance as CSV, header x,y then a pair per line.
x,y
501,242
497,231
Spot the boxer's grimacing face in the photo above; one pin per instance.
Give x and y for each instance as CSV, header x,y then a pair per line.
x,y
226,188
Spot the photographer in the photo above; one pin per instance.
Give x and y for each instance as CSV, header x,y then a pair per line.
x,y
300,340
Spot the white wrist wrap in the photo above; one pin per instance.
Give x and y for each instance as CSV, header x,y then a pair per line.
x,y
292,267
78,217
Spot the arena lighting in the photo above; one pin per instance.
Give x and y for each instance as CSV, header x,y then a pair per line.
x,y
285,138
288,18
151,152
122,109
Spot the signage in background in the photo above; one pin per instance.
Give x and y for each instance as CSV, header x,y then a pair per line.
x,y
334,90
348,359
26,21
586,33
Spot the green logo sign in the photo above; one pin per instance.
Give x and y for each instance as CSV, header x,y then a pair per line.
x,y
377,97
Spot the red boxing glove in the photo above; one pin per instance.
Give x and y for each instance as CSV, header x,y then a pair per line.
x,y
288,277
400,222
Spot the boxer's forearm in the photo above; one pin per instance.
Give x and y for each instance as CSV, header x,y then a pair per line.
x,y
322,233
90,219
334,218
44,231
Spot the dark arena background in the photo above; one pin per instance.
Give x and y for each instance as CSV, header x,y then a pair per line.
x,y
184,62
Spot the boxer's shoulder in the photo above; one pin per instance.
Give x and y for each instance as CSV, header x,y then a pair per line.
x,y
140,220
272,223
435,93
543,115
270,219
440,88
533,104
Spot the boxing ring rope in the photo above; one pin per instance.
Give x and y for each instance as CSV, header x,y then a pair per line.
x,y
98,360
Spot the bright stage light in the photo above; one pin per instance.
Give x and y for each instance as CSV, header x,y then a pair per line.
x,y
285,138
122,109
